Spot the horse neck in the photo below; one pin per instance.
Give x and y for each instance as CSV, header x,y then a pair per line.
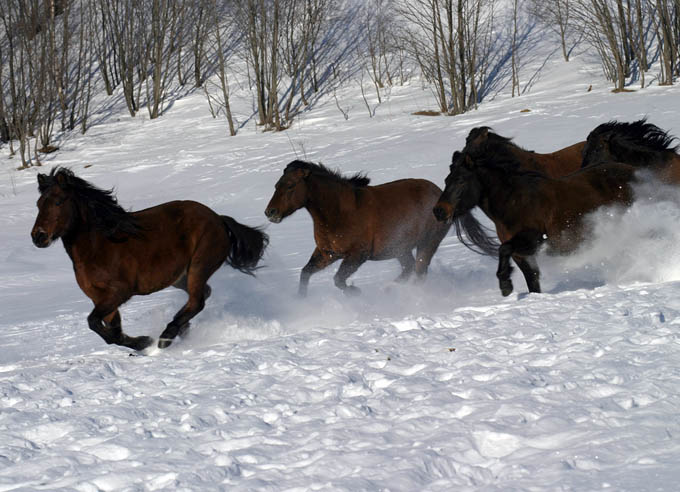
x,y
81,239
497,189
327,200
526,159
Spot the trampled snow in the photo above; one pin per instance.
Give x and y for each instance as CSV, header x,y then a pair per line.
x,y
443,385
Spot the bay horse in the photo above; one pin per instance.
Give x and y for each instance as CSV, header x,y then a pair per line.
x,y
117,254
529,207
482,143
355,222
638,143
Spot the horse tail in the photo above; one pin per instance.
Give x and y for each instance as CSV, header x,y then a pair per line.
x,y
477,238
247,245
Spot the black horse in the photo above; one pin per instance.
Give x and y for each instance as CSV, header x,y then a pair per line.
x,y
529,208
638,143
117,254
483,143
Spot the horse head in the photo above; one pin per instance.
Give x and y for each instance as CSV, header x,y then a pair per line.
x,y
290,192
462,190
597,148
56,208
477,140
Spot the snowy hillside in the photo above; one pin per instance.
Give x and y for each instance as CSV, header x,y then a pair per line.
x,y
440,386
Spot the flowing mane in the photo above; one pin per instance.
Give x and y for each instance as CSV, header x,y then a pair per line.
x,y
474,236
99,206
637,142
358,180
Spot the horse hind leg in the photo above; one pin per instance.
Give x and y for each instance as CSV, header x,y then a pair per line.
x,y
181,284
199,291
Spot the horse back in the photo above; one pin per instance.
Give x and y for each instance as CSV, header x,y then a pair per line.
x,y
563,161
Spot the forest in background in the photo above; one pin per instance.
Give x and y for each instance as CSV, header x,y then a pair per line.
x,y
56,56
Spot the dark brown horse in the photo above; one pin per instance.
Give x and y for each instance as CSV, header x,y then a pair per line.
x,y
637,143
355,222
482,143
529,208
117,254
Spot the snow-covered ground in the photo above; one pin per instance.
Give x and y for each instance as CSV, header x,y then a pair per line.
x,y
440,386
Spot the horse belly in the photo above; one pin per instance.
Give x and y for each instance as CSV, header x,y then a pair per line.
x,y
405,228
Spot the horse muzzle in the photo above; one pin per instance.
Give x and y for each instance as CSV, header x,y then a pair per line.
x,y
443,211
40,238
273,215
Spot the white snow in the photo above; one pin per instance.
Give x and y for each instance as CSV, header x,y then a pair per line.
x,y
440,386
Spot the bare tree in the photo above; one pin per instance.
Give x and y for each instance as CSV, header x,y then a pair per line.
x,y
222,43
557,16
515,54
452,42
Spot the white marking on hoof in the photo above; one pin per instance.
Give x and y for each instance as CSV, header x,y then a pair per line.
x,y
164,342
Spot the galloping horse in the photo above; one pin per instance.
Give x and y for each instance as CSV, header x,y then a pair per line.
x,y
482,143
529,208
117,254
637,143
356,222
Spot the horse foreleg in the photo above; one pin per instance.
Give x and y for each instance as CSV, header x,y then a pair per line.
x,y
530,270
522,244
348,266
408,265
108,326
317,262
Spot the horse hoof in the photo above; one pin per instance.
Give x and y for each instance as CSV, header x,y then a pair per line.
x,y
352,291
164,342
506,288
142,343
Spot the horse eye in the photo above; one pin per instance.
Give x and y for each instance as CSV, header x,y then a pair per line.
x,y
59,202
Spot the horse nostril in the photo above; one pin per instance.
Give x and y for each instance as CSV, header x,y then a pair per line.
x,y
39,238
439,213
270,212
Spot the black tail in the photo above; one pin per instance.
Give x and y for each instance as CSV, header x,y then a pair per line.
x,y
477,237
247,245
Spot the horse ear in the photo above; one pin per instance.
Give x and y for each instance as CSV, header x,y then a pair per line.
x,y
42,180
306,173
61,180
477,136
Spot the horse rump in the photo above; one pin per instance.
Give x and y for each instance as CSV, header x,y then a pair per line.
x,y
247,245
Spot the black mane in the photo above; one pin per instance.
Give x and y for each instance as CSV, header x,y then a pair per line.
x,y
99,206
493,142
637,142
358,180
